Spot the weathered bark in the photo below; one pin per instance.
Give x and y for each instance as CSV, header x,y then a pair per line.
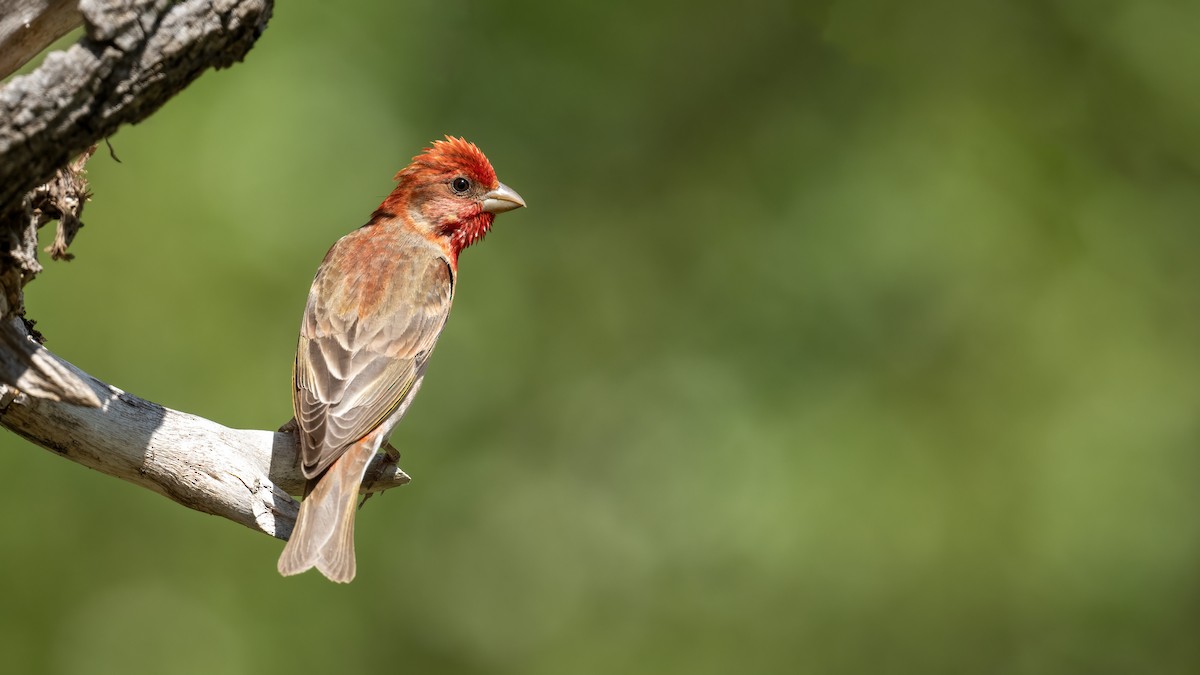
x,y
135,55
22,364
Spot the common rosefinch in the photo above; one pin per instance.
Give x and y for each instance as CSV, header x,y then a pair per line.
x,y
374,313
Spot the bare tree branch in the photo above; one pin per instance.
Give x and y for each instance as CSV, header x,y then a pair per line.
x,y
29,26
243,475
136,55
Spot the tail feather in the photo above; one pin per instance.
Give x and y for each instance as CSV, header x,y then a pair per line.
x,y
324,532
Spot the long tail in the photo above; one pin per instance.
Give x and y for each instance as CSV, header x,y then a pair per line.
x,y
324,532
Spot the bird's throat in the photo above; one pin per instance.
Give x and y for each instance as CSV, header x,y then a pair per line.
x,y
468,231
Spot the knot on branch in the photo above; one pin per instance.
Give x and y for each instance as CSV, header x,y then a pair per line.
x,y
61,199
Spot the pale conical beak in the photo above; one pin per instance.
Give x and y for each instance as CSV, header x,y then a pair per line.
x,y
502,199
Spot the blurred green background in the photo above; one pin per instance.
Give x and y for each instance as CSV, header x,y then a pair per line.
x,y
838,337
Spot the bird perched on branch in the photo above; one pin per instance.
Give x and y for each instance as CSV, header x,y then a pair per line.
x,y
377,305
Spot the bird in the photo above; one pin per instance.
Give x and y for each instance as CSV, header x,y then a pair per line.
x,y
377,305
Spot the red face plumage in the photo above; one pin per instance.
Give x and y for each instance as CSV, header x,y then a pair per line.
x,y
444,188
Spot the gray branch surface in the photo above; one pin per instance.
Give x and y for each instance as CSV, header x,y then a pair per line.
x,y
240,474
136,55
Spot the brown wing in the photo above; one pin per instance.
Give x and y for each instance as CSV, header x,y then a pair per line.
x,y
374,314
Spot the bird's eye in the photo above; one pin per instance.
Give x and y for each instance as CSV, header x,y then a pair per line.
x,y
460,185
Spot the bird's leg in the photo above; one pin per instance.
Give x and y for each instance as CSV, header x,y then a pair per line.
x,y
393,459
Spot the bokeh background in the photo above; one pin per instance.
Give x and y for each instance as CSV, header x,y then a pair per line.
x,y
838,337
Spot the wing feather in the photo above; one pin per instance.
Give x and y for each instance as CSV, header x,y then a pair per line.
x,y
365,339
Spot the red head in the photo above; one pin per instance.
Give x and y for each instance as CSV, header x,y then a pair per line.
x,y
450,191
